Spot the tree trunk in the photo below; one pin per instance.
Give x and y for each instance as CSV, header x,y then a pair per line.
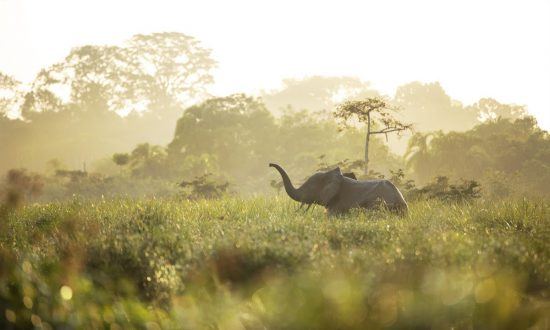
x,y
367,146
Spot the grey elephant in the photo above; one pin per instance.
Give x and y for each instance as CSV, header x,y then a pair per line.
x,y
339,193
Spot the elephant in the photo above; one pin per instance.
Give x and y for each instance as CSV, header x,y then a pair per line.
x,y
339,193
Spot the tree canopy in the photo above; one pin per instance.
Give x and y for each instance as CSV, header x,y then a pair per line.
x,y
76,104
157,72
515,154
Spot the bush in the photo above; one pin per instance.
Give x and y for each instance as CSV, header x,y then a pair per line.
x,y
441,189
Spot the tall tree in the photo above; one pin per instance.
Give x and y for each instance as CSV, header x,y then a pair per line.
x,y
10,95
376,114
230,127
156,72
418,151
89,77
488,109
431,108
171,69
76,103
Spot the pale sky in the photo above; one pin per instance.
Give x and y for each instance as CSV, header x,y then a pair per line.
x,y
475,49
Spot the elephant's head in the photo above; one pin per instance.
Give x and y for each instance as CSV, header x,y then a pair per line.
x,y
321,188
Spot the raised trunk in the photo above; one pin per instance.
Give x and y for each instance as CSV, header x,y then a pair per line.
x,y
289,188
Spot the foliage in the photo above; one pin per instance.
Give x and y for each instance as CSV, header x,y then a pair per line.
x,y
507,158
169,67
242,136
345,165
121,159
83,249
148,161
68,184
376,114
204,187
430,108
516,151
232,128
442,189
373,110
73,109
73,175
256,263
80,126
10,94
150,72
490,109
20,185
145,161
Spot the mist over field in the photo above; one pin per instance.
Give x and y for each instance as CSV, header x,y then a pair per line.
x,y
151,180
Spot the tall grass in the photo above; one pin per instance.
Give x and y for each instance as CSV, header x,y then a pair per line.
x,y
255,263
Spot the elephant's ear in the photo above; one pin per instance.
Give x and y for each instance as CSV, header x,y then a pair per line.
x,y
350,175
332,186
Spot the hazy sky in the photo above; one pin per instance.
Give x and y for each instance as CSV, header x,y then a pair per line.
x,y
476,49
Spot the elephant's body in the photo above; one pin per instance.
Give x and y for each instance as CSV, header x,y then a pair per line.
x,y
340,193
366,194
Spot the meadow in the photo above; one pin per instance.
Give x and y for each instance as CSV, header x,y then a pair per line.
x,y
256,263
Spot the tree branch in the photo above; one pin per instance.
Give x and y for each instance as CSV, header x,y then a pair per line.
x,y
390,129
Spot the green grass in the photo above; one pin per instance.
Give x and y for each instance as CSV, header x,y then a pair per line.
x,y
256,263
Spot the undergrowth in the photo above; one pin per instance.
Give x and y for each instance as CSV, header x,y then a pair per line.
x,y
255,263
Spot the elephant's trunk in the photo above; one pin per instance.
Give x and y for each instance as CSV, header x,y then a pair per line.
x,y
289,188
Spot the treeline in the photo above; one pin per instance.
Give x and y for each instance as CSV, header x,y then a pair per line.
x,y
507,157
136,118
101,99
233,138
224,144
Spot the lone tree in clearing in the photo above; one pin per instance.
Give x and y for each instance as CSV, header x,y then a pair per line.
x,y
376,113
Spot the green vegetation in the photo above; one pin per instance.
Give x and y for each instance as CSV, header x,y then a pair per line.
x,y
106,100
226,138
507,157
233,263
134,198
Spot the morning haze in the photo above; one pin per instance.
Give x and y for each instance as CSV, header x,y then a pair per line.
x,y
283,164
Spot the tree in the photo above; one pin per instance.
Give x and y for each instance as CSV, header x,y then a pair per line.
x,y
418,151
170,69
10,95
77,103
20,184
88,78
505,156
121,159
374,112
155,72
490,109
237,130
148,161
431,108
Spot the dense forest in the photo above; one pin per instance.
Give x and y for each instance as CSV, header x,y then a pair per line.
x,y
137,119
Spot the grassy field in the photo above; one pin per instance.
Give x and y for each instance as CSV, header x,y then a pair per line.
x,y
257,263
